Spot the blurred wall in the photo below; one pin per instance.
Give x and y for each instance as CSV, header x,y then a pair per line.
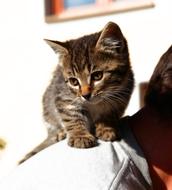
x,y
26,63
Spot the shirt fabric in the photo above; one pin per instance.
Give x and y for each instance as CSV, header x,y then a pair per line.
x,y
118,165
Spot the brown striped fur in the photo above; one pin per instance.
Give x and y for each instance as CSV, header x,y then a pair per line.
x,y
90,88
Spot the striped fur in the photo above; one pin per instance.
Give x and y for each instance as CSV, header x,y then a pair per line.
x,y
90,89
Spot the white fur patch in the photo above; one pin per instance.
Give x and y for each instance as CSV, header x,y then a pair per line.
x,y
70,107
97,82
111,42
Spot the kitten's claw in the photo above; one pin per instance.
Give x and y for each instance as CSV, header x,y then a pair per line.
x,y
82,140
106,133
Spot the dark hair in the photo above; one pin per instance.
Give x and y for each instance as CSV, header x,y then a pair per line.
x,y
159,92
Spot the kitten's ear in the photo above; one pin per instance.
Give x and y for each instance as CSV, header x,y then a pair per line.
x,y
58,47
111,39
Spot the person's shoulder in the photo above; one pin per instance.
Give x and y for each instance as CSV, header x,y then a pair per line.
x,y
62,167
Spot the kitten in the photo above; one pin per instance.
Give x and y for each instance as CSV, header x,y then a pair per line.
x,y
90,89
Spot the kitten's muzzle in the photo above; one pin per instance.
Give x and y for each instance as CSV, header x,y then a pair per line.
x,y
87,96
86,92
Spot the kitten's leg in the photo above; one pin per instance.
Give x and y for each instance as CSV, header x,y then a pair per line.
x,y
67,110
105,132
77,126
104,122
80,137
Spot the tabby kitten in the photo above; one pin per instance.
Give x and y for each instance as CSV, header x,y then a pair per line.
x,y
90,89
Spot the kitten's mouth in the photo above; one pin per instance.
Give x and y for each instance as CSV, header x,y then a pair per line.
x,y
86,99
92,100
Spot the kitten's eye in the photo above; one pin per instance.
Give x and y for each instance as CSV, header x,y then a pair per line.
x,y
97,75
73,81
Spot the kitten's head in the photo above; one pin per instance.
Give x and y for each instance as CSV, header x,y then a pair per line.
x,y
95,65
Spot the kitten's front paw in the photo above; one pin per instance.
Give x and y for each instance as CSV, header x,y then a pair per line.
x,y
81,140
106,133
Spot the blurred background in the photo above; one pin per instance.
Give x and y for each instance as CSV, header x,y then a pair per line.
x,y
26,62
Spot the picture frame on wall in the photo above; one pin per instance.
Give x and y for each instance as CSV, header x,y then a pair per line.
x,y
62,10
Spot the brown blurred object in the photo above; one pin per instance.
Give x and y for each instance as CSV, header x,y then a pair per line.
x,y
142,90
2,144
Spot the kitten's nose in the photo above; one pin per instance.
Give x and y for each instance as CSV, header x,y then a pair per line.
x,y
87,96
86,92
